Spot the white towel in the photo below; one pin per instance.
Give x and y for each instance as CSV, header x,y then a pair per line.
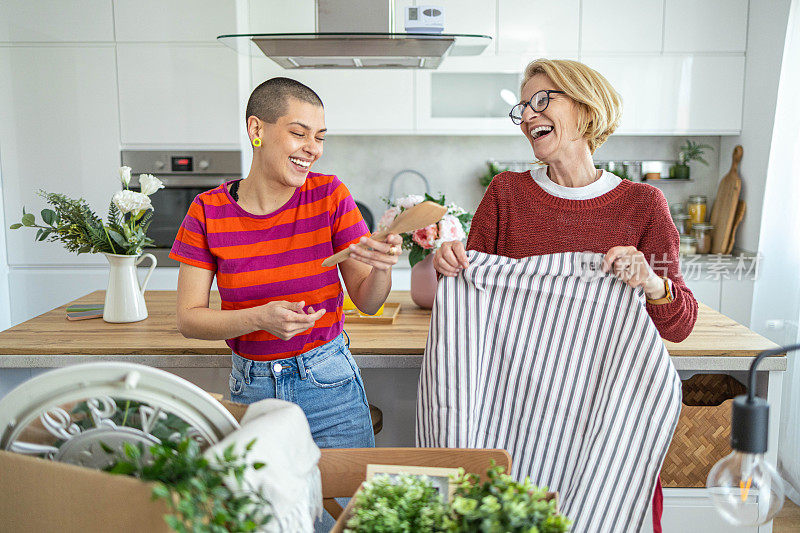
x,y
291,480
559,364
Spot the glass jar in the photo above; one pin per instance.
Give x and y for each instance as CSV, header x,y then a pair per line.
x,y
688,245
677,209
697,209
681,221
702,232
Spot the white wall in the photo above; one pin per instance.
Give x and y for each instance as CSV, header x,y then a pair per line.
x,y
777,291
5,298
766,33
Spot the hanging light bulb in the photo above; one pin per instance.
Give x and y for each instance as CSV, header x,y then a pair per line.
x,y
744,487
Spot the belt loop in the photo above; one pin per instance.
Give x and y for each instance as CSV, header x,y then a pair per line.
x,y
246,370
301,367
348,338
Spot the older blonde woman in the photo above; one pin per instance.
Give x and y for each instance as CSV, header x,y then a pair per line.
x,y
566,111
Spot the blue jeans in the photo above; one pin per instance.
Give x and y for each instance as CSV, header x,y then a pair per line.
x,y
325,382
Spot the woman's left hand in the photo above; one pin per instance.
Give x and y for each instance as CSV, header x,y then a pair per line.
x,y
630,265
377,254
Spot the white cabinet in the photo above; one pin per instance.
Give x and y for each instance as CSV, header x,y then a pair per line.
x,y
173,21
705,291
463,96
534,28
622,26
59,132
37,290
707,26
178,94
356,101
469,16
56,21
729,293
736,299
676,94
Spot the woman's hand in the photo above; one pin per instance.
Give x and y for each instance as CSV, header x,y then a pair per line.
x,y
285,319
450,258
629,265
377,254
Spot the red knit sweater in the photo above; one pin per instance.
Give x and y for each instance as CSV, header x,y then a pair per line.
x,y
517,218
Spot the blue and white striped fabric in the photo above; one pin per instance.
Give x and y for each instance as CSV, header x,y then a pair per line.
x,y
559,364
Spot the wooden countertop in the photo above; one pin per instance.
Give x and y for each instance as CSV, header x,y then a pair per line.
x,y
52,334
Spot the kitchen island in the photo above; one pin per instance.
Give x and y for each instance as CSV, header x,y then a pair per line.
x,y
389,355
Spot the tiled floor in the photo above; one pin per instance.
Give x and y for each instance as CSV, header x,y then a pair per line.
x,y
788,520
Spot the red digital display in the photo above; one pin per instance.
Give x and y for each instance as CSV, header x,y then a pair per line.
x,y
182,164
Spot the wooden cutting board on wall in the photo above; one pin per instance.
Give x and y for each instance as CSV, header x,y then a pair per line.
x,y
740,209
725,204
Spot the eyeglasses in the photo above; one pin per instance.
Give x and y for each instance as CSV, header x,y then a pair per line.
x,y
538,102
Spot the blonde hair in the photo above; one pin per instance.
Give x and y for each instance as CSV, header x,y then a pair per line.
x,y
600,105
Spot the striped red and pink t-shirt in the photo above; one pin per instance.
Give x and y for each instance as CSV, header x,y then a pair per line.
x,y
261,258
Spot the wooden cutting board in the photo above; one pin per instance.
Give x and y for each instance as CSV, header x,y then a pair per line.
x,y
741,207
724,210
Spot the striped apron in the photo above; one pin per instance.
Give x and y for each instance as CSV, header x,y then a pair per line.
x,y
560,364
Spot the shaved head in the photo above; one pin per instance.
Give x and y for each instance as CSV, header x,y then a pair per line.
x,y
269,101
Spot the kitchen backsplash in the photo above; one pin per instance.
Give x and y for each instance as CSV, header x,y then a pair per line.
x,y
453,165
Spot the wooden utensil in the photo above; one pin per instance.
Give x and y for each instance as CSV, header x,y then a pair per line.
x,y
418,217
741,207
725,204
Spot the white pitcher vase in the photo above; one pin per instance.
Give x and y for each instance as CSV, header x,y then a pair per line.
x,y
124,296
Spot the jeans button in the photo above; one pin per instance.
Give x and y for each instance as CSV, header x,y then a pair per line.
x,y
277,368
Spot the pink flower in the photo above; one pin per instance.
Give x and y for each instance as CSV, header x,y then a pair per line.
x,y
425,237
407,202
450,229
388,217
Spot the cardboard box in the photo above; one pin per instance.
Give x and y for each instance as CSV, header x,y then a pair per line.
x,y
37,495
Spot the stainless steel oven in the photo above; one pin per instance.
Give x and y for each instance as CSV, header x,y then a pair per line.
x,y
185,174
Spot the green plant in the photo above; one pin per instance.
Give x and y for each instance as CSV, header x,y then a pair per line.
x,y
195,488
494,170
405,504
80,230
502,504
692,151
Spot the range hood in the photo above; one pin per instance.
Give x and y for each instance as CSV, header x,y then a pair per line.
x,y
357,34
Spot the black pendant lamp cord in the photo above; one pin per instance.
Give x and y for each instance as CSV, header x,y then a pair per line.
x,y
767,353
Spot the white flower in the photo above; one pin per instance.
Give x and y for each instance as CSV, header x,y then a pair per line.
x,y
149,184
388,217
450,229
131,202
125,175
407,202
453,209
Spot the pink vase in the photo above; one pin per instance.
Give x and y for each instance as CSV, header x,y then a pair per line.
x,y
424,282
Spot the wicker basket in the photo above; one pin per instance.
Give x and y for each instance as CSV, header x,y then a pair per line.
x,y
702,436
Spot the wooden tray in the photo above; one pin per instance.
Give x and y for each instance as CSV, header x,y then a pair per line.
x,y
390,312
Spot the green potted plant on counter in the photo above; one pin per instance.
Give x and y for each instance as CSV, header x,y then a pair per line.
x,y
690,151
121,239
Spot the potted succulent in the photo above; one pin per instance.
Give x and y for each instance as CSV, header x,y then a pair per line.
x,y
690,151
